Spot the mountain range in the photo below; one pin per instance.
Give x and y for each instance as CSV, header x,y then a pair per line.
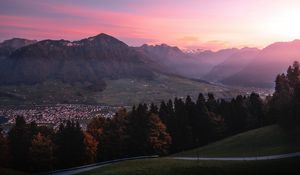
x,y
98,69
269,62
233,64
88,60
93,62
245,67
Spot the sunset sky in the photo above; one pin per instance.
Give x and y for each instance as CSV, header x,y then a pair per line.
x,y
205,24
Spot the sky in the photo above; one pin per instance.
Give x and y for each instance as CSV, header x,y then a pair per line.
x,y
188,24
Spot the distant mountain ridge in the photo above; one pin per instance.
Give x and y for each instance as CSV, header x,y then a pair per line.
x,y
189,64
8,46
232,65
96,58
209,59
270,61
170,58
236,67
88,60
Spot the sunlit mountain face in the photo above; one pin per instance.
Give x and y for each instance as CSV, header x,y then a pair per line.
x,y
199,24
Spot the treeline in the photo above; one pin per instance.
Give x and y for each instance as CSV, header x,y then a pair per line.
x,y
146,130
173,126
33,148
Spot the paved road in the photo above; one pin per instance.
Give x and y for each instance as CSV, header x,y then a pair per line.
x,y
273,157
85,168
77,171
89,167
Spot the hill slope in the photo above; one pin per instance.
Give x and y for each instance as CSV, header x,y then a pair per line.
x,y
125,91
163,166
263,141
87,60
259,142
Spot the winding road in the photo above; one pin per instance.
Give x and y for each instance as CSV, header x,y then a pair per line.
x,y
81,169
85,168
272,157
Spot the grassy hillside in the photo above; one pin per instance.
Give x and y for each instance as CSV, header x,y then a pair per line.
x,y
47,92
164,166
263,141
117,92
133,91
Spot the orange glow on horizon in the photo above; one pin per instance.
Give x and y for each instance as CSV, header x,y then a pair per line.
x,y
193,24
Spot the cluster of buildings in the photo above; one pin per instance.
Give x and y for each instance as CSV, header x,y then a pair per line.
x,y
263,92
53,115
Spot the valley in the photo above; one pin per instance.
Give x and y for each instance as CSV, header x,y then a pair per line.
x,y
148,87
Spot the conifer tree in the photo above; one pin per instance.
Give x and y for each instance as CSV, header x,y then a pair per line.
x,y
4,150
70,145
19,138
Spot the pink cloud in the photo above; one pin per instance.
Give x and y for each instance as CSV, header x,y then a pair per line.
x,y
55,29
193,23
68,29
78,22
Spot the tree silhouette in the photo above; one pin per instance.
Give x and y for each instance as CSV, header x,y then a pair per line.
x,y
70,145
41,153
19,141
4,150
284,105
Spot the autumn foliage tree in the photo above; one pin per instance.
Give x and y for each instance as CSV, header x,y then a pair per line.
x,y
158,139
111,134
91,146
41,153
147,133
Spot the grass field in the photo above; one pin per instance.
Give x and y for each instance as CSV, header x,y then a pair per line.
x,y
45,93
259,142
163,166
133,91
118,92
